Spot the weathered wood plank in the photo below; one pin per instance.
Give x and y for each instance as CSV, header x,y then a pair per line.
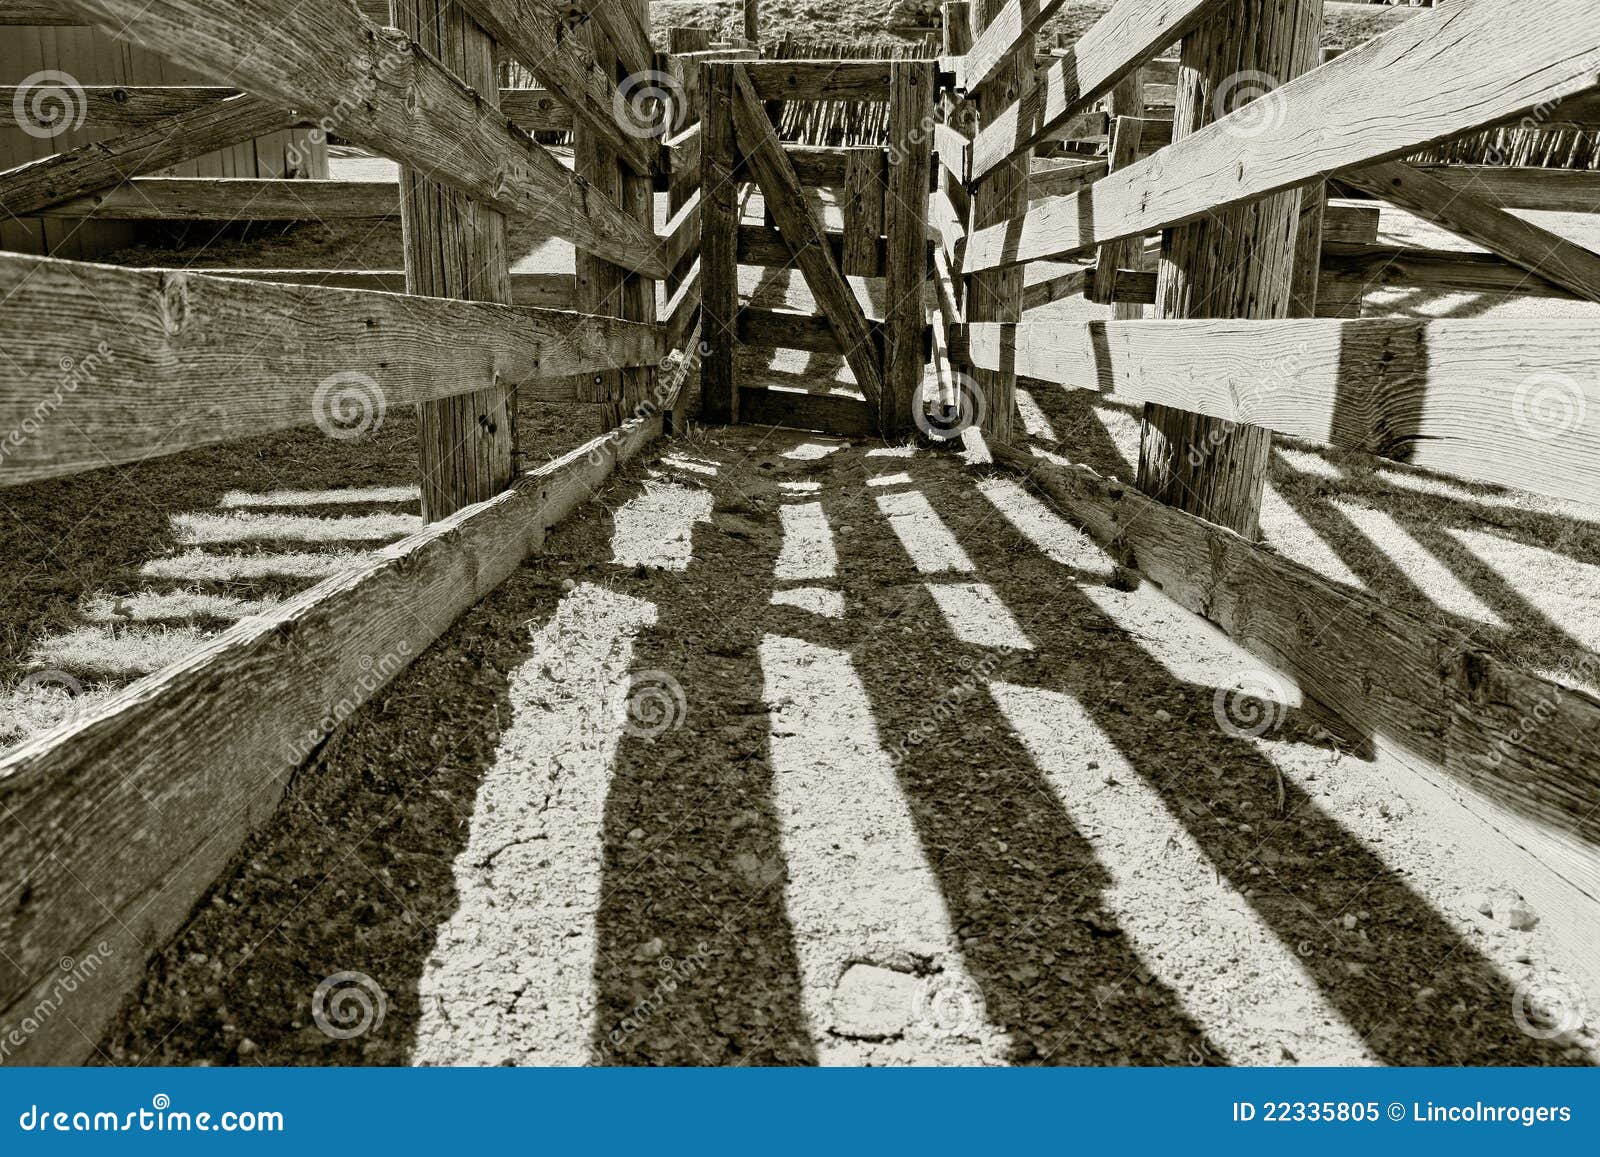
x,y
1551,256
1113,255
455,247
829,413
535,33
1465,64
1522,187
802,231
865,191
910,173
819,79
1013,24
1118,42
141,363
1513,402
719,250
376,87
137,106
234,199
135,808
1351,271
1425,690
168,141
545,290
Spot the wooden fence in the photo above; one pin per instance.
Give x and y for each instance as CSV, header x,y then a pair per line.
x,y
1257,285
1103,170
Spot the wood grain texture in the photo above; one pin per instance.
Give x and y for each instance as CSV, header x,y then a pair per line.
x,y
235,199
719,250
1234,262
536,34
377,88
455,247
996,295
137,106
1414,686
1113,255
167,141
544,290
865,191
1354,270
1119,42
828,413
619,22
135,808
906,272
803,233
819,79
1517,187
1013,24
1551,256
1513,402
1466,64
112,365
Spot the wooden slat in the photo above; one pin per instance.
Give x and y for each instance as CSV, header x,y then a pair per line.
x,y
829,413
1553,257
763,245
629,39
1418,688
135,808
865,191
951,148
545,290
1351,271
1115,254
1508,187
802,231
1513,402
1066,177
378,89
827,165
683,309
719,250
1016,22
910,174
49,13
161,362
235,199
1119,41
138,105
168,141
819,79
1464,64
533,31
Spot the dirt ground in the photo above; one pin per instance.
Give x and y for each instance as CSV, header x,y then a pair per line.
x,y
790,750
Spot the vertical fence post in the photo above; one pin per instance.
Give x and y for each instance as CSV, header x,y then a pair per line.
x,y
752,24
1123,106
456,247
719,239
638,199
957,41
911,89
1308,238
996,294
1235,262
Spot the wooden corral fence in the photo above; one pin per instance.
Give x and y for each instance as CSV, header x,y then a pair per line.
x,y
1109,169
1257,291
119,819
